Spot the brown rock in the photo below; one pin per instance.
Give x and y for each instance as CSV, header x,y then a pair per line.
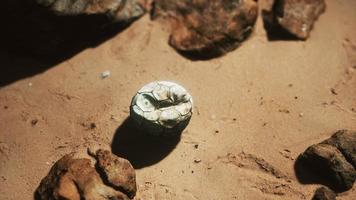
x,y
324,193
76,179
204,29
293,17
118,171
328,161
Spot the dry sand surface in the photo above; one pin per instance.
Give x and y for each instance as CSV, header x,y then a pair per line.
x,y
266,100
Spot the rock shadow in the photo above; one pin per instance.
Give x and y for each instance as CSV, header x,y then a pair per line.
x,y
306,175
141,149
274,31
34,39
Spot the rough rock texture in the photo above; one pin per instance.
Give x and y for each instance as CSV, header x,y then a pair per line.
x,y
203,29
118,10
345,141
118,171
329,162
75,179
324,193
294,17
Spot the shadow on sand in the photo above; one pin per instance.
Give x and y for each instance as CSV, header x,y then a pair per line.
x,y
139,148
33,39
276,32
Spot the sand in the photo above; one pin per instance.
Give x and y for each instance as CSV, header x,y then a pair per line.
x,y
266,100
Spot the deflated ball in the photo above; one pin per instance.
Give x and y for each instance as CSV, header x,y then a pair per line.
x,y
161,108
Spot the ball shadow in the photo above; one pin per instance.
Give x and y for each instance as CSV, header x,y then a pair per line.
x,y
141,149
33,39
307,175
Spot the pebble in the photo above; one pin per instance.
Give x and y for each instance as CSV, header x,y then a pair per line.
x,y
105,74
197,160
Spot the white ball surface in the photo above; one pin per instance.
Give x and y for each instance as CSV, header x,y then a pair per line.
x,y
161,108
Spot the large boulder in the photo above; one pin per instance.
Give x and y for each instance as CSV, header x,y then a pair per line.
x,y
204,29
293,18
75,178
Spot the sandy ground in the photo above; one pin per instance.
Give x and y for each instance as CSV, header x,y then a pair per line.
x,y
268,100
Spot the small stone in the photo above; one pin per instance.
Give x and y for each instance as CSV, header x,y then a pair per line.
x,y
92,125
30,84
105,74
197,160
284,111
4,149
34,122
333,91
324,193
301,114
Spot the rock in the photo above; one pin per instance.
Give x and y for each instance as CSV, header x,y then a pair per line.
x,y
294,18
105,74
345,141
328,161
204,29
324,193
76,178
117,10
118,171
